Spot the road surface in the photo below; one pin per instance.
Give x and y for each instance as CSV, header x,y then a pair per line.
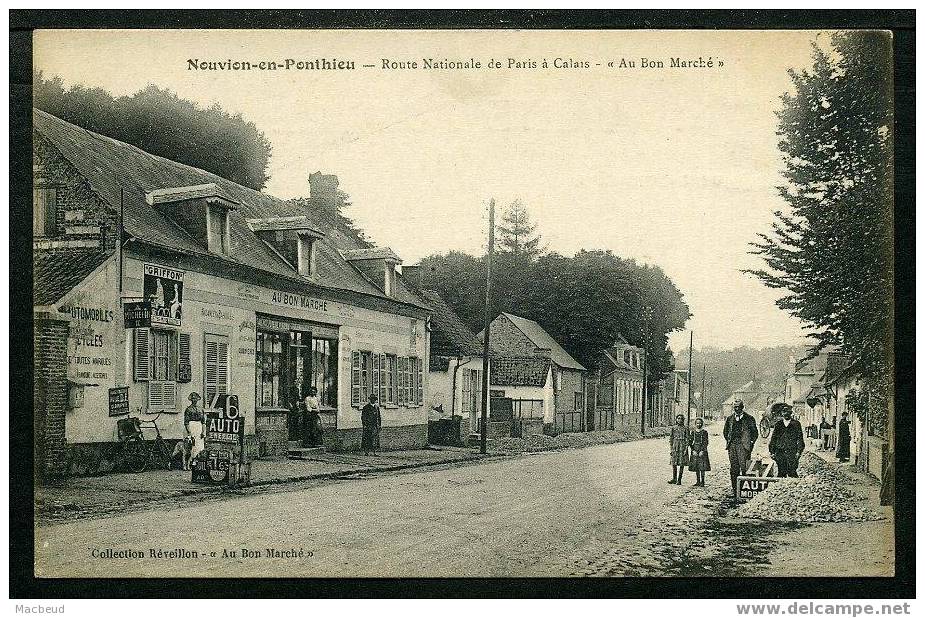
x,y
525,516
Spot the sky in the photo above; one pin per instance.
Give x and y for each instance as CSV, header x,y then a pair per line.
x,y
676,167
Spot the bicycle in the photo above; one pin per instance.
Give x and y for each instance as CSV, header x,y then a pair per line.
x,y
137,453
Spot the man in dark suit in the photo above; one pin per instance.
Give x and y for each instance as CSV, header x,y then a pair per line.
x,y
787,442
740,432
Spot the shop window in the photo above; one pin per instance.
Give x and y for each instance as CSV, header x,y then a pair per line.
x,y
527,408
44,211
270,354
215,374
324,370
217,229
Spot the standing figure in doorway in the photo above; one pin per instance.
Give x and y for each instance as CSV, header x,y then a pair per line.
x,y
311,433
844,439
372,424
678,442
787,444
700,455
740,433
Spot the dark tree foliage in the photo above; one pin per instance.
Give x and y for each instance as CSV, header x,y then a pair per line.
x,y
832,250
583,302
160,122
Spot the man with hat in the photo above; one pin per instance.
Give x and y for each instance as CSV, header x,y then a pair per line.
x,y
193,421
786,444
740,432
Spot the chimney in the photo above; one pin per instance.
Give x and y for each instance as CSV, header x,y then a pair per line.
x,y
419,276
322,191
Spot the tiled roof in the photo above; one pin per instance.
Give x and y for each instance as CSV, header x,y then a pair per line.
x,y
121,173
449,336
526,371
541,339
55,273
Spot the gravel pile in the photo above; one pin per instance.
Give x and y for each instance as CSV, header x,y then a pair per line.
x,y
813,498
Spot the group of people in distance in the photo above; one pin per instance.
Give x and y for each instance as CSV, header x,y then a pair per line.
x,y
690,448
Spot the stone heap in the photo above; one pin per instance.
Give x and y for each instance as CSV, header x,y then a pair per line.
x,y
819,496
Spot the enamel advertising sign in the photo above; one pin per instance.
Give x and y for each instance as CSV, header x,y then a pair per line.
x,y
163,290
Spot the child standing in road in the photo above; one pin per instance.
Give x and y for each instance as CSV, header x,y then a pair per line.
x,y
678,443
700,456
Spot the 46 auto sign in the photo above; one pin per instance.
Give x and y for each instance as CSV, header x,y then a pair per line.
x,y
225,425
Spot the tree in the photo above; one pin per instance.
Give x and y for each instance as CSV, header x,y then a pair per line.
x,y
832,251
584,302
517,233
158,121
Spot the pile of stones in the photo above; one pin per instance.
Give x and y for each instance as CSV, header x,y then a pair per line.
x,y
819,496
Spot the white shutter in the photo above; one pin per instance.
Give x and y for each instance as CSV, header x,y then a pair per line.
x,y
420,382
355,387
142,360
162,395
183,362
383,370
216,367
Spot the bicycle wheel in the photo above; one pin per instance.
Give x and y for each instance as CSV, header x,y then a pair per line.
x,y
136,455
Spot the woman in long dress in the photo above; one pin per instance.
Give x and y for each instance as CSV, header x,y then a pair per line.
x,y
700,454
844,439
678,443
311,435
195,429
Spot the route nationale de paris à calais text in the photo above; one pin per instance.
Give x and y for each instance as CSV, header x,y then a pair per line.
x,y
446,64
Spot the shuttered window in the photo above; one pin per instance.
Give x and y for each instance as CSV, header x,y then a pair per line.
x,y
162,395
383,377
215,372
402,377
420,382
361,378
184,367
142,372
377,368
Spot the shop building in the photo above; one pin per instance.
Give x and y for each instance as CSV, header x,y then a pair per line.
x,y
163,280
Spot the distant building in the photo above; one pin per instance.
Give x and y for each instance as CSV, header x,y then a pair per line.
x,y
516,338
620,389
455,368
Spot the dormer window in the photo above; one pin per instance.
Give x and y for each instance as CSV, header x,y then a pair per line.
x,y
377,264
218,231
202,210
306,255
294,239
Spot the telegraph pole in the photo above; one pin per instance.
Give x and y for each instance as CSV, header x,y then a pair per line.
x,y
690,376
703,393
645,389
485,346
